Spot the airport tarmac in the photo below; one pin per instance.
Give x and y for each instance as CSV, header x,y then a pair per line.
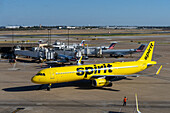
x,y
19,94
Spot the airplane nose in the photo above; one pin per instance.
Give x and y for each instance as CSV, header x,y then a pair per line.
x,y
33,79
36,79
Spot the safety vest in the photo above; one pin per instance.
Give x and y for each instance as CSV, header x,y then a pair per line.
x,y
125,99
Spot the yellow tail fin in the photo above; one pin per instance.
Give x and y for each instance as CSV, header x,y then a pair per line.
x,y
147,55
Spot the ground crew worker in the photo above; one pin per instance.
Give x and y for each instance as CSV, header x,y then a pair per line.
x,y
124,101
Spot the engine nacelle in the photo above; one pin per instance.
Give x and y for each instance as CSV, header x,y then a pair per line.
x,y
101,83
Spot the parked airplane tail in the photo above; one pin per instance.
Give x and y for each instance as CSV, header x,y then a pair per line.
x,y
82,42
140,49
112,45
147,55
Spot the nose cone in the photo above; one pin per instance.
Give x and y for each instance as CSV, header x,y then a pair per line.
x,y
34,79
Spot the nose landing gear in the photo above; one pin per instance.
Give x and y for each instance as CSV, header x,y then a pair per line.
x,y
49,87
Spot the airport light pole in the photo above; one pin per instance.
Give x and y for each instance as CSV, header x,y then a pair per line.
x,y
12,39
49,36
68,37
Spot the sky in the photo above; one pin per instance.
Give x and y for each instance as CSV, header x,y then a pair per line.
x,y
85,12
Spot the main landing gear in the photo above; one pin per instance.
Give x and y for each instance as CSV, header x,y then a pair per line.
x,y
49,87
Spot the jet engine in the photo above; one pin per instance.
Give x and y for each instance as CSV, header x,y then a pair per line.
x,y
101,82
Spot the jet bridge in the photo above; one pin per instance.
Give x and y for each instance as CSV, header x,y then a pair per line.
x,y
37,53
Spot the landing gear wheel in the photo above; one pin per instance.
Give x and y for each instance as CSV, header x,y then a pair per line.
x,y
49,87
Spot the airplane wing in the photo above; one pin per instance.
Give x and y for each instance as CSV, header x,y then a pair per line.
x,y
64,56
52,62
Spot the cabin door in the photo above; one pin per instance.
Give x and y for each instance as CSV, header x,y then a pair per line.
x,y
52,74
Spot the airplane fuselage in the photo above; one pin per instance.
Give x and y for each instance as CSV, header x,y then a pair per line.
x,y
119,51
81,72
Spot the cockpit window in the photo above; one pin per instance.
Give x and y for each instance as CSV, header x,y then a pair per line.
x,y
40,74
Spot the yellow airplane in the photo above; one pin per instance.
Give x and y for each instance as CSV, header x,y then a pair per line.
x,y
100,74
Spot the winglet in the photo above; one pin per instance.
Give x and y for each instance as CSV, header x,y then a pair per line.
x,y
79,61
159,70
137,108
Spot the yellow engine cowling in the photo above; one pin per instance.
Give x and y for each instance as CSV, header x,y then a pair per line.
x,y
101,83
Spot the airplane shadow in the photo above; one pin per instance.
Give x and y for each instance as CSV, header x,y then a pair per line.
x,y
114,112
26,61
22,88
81,85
